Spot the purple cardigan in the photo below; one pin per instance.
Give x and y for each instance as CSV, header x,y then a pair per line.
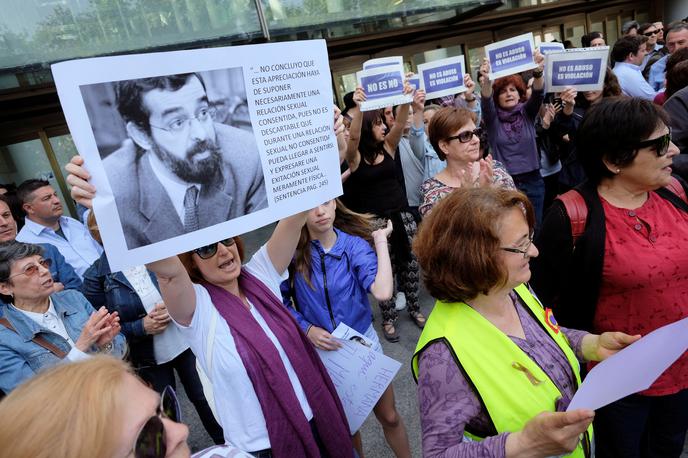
x,y
511,134
448,403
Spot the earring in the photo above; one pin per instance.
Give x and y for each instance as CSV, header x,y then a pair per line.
x,y
618,171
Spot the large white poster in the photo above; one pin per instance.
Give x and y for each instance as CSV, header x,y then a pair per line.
x,y
189,147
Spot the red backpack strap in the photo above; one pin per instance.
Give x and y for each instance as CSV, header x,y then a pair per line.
x,y
577,210
677,188
38,340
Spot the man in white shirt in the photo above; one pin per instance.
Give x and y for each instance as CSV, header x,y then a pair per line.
x,y
45,223
628,53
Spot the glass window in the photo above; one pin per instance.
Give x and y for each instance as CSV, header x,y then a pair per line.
x,y
25,160
611,31
38,31
574,32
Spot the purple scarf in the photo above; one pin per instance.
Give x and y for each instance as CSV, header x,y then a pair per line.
x,y
289,432
511,122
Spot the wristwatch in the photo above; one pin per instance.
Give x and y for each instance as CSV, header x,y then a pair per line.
x,y
537,73
107,348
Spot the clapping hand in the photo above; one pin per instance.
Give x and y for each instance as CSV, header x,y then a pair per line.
x,y
157,320
100,329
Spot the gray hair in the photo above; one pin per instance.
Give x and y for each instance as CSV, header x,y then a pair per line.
x,y
13,251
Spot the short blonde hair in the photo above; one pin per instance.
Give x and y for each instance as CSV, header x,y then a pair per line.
x,y
71,410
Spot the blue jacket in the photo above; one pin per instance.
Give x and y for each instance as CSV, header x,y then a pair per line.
x,y
20,358
60,269
102,287
347,270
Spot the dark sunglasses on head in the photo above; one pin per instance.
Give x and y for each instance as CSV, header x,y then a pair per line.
x,y
208,251
152,439
32,269
467,136
660,144
649,34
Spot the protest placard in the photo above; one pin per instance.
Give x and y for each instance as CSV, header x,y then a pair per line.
x,y
414,81
394,61
185,150
442,77
359,374
583,69
633,369
546,48
383,87
511,56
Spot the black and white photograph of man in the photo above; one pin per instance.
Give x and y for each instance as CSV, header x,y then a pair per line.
x,y
178,152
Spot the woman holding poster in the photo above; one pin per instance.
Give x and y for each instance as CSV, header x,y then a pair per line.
x,y
510,120
272,395
495,372
625,267
374,187
332,273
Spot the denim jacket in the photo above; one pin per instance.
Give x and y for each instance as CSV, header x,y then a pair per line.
x,y
20,358
60,269
102,287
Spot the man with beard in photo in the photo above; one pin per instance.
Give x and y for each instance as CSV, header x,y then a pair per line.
x,y
179,171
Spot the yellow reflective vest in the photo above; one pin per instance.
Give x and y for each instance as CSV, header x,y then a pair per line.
x,y
510,385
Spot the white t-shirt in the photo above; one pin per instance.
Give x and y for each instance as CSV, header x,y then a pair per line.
x,y
236,403
168,344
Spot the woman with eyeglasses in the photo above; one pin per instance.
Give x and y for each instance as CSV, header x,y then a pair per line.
x,y
39,327
157,349
95,408
272,395
495,372
620,262
456,139
509,116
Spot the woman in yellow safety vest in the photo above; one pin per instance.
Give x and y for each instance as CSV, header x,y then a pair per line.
x,y
495,372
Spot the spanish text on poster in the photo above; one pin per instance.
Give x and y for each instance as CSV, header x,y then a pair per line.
x,y
511,56
189,147
383,87
359,374
442,77
583,68
546,48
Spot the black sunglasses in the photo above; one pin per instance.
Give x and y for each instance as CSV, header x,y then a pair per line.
x,y
208,251
152,439
649,34
467,136
660,144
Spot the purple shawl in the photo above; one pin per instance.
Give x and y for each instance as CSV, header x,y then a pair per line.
x,y
289,432
511,121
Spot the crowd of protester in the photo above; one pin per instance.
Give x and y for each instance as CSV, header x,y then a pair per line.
x,y
509,205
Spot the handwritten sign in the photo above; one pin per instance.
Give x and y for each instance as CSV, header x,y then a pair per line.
x,y
383,86
511,56
582,68
442,77
359,374
546,48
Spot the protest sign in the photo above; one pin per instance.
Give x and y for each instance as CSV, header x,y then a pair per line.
x,y
394,61
583,69
442,77
383,87
546,48
359,374
634,368
414,81
185,150
511,56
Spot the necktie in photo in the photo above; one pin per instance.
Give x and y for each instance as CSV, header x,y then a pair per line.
x,y
190,209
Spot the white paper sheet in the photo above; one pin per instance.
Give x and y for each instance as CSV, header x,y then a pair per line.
x,y
634,368
359,374
272,124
